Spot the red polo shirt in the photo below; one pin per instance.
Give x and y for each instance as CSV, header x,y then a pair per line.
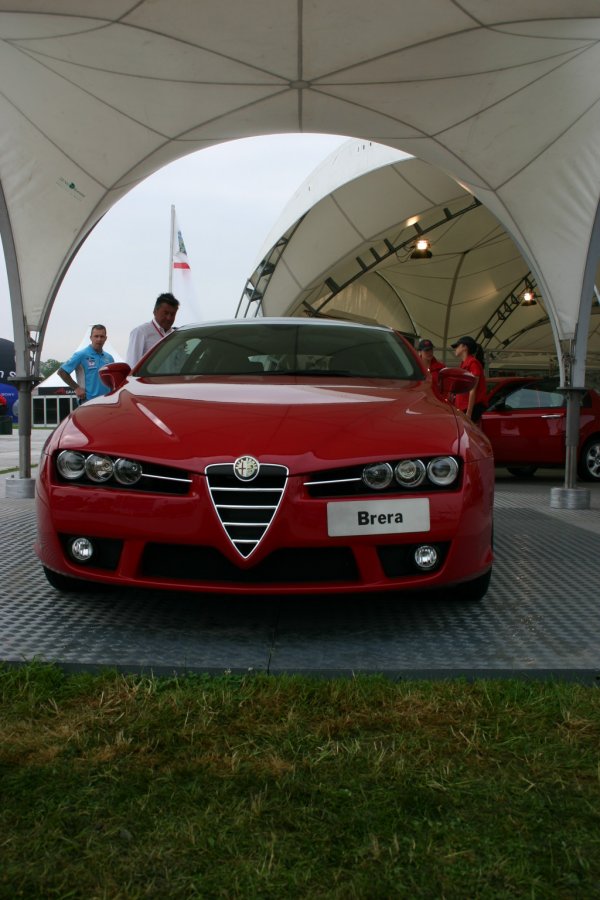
x,y
472,365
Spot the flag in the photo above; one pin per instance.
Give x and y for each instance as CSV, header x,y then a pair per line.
x,y
181,281
180,257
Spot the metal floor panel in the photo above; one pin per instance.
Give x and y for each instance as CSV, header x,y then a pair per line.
x,y
540,617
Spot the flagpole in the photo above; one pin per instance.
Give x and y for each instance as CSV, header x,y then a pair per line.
x,y
172,248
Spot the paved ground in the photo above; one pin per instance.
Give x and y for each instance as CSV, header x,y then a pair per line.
x,y
540,618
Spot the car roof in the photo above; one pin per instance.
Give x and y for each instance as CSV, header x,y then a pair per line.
x,y
287,320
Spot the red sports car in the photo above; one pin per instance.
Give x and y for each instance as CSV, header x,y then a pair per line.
x,y
271,456
526,422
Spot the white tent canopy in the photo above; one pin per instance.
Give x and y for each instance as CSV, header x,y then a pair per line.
x,y
343,247
98,94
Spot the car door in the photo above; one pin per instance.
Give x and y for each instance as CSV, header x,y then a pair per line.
x,y
527,426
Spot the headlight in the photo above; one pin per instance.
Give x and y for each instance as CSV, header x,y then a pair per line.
x,y
378,476
443,470
410,472
127,471
71,464
98,468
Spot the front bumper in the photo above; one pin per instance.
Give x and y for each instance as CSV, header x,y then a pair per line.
x,y
178,543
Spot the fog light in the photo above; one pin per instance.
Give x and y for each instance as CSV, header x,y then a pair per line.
x,y
426,557
81,549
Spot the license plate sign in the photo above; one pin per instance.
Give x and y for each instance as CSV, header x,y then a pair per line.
x,y
378,517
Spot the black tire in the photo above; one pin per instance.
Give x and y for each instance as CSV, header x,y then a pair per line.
x,y
67,585
522,471
589,460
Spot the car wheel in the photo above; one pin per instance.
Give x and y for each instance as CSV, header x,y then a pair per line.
x,y
65,584
522,471
589,460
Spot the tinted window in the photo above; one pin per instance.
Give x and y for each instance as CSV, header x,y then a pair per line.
x,y
502,391
533,397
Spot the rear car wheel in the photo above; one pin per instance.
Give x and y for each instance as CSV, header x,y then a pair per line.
x,y
522,471
589,460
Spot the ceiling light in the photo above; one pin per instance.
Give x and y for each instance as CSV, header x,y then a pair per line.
x,y
421,249
528,297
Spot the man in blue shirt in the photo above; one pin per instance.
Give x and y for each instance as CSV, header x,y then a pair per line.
x,y
87,363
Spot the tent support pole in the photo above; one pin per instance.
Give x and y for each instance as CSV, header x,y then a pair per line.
x,y
570,496
574,359
574,396
24,485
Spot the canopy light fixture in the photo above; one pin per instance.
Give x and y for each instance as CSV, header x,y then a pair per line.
x,y
421,249
528,297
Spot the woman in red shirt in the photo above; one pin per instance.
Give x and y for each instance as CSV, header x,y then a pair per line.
x,y
473,403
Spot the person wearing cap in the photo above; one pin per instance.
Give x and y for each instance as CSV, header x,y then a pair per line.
x,y
472,404
425,350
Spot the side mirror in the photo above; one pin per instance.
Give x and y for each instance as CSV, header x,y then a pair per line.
x,y
114,375
456,381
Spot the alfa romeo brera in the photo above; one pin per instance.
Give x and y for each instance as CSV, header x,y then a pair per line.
x,y
270,456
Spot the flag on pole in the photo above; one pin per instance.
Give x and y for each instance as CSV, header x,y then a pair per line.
x,y
180,257
180,280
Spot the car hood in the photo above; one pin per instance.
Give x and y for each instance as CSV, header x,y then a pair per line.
x,y
304,424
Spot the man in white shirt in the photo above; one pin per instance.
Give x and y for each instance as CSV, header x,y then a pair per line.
x,y
147,335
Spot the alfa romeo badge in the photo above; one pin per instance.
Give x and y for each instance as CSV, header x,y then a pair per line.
x,y
246,468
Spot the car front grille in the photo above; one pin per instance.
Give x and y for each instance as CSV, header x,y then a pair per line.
x,y
246,509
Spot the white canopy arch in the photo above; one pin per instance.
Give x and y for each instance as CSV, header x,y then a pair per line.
x,y
342,247
98,94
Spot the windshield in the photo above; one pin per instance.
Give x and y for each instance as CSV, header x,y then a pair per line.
x,y
279,349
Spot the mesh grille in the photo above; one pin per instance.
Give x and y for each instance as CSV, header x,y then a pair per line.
x,y
246,508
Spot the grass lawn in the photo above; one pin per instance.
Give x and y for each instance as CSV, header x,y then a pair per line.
x,y
285,787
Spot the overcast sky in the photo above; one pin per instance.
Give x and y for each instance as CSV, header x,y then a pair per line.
x,y
227,199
